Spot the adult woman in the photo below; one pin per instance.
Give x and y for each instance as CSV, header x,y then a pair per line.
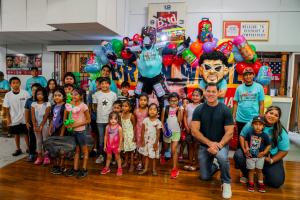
x,y
273,168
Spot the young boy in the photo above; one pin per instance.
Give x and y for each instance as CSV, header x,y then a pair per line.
x,y
257,146
14,103
102,103
172,118
29,125
124,94
68,88
117,107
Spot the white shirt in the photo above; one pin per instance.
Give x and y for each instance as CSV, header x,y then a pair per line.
x,y
16,104
172,120
40,111
104,103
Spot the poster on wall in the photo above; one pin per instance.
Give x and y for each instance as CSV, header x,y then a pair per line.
x,y
169,21
20,64
251,30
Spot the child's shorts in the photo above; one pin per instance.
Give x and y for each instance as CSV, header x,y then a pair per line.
x,y
255,163
174,138
80,137
18,129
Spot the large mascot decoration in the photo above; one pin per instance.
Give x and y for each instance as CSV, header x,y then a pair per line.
x,y
213,69
150,66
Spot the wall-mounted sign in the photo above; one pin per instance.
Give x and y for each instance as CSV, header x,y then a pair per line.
x,y
166,15
251,30
20,64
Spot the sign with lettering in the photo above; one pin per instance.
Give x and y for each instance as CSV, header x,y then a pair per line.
x,y
251,30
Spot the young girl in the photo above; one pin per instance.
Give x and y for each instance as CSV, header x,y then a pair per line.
x,y
56,126
141,112
81,117
150,138
40,110
112,142
185,102
128,122
172,117
51,87
197,96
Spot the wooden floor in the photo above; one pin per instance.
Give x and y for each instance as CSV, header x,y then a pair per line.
x,y
24,181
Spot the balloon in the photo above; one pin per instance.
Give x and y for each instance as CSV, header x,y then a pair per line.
x,y
190,58
240,67
125,55
225,47
117,46
256,66
94,76
244,48
137,38
178,61
231,58
205,30
264,75
253,47
167,60
196,49
237,56
268,101
209,47
92,68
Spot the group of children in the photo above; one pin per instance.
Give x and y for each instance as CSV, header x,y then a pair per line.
x,y
128,130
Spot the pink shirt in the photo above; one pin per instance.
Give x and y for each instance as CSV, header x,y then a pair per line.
x,y
79,116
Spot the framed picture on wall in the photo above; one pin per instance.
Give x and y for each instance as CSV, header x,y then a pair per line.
x,y
20,64
251,30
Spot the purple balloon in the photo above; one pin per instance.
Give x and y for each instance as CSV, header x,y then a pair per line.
x,y
238,40
208,47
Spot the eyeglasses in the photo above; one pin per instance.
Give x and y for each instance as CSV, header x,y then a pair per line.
x,y
216,67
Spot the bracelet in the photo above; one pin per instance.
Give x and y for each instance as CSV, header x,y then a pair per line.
x,y
271,161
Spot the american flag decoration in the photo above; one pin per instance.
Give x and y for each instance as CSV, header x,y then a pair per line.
x,y
275,65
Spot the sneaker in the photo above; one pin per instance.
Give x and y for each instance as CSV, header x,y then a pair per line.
x,y
46,160
143,172
38,161
174,173
105,170
180,158
243,180
82,173
119,172
71,172
17,152
227,194
56,170
30,158
251,187
261,187
99,160
162,160
139,167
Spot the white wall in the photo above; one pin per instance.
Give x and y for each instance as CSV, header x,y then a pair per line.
x,y
284,16
47,59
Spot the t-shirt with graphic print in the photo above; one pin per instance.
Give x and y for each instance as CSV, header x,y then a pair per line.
x,y
104,103
257,142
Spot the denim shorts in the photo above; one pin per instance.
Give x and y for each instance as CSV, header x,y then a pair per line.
x,y
80,137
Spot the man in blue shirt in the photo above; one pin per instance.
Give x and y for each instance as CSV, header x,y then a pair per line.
x,y
248,100
4,84
35,79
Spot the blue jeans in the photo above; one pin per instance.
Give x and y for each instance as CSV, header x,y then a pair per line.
x,y
80,138
207,168
101,130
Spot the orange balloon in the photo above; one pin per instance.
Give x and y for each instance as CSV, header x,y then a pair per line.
x,y
196,49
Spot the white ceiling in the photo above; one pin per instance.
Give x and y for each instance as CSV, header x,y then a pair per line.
x,y
87,33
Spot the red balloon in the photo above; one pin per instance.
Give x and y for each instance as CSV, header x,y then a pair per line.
x,y
196,49
240,67
256,66
172,46
137,38
125,55
167,60
178,60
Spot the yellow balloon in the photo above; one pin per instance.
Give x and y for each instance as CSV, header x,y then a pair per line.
x,y
268,101
231,58
221,41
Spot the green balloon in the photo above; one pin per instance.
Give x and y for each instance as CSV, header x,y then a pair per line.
x,y
94,76
117,46
253,47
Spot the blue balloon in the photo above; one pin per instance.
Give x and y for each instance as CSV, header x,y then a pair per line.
x,y
98,51
264,75
92,68
237,56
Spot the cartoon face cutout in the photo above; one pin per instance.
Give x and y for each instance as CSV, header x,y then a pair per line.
x,y
213,71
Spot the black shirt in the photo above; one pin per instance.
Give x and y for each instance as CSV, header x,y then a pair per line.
x,y
212,120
